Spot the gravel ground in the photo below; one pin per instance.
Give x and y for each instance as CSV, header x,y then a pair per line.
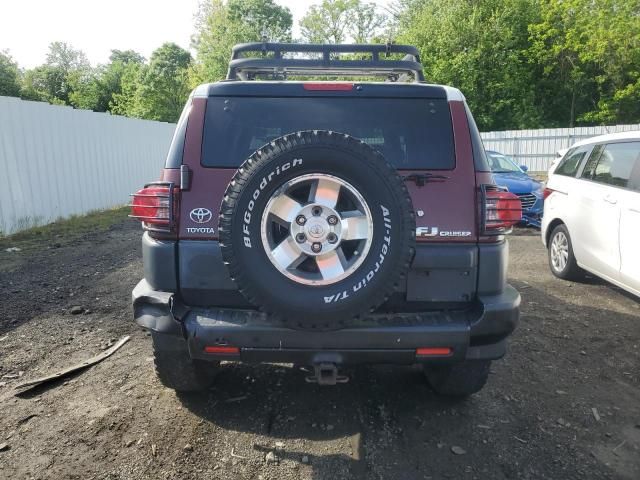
x,y
563,404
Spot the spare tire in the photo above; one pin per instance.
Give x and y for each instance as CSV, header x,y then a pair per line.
x,y
316,228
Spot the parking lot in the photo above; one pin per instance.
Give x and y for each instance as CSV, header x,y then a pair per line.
x,y
563,404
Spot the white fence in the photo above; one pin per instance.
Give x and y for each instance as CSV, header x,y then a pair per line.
x,y
56,161
537,148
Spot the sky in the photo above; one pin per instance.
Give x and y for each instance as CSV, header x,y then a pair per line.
x,y
28,26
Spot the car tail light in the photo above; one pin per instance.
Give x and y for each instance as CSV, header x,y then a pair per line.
x,y
327,86
501,210
155,206
546,192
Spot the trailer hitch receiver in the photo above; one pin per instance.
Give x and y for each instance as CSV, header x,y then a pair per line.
x,y
326,374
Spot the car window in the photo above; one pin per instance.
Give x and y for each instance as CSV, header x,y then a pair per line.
x,y
589,169
616,163
410,133
501,163
634,181
174,157
571,162
480,157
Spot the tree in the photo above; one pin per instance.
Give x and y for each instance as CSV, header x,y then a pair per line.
x,y
164,84
54,81
63,56
261,19
9,76
125,57
366,23
96,91
338,21
221,25
124,101
588,56
479,47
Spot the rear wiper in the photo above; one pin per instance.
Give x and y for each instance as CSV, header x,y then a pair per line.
x,y
421,178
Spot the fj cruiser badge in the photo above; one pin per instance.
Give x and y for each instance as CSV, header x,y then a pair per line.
x,y
436,232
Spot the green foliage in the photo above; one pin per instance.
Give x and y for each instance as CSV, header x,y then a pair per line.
x,y
124,101
588,55
124,86
338,21
479,47
157,91
54,81
164,85
221,25
532,63
9,76
97,89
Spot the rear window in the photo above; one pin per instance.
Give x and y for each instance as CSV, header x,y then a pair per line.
x,y
412,133
616,163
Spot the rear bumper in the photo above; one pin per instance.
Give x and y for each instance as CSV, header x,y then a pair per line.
x,y
478,332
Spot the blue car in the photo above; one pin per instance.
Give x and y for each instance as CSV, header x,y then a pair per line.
x,y
509,175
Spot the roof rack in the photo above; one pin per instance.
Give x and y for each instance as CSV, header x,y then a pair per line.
x,y
275,65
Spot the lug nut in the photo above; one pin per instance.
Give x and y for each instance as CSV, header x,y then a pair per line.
x,y
301,220
332,220
332,237
301,238
317,211
316,247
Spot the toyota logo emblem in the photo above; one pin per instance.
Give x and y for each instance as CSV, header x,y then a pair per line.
x,y
201,215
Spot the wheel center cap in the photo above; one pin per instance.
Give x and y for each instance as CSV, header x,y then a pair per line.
x,y
316,230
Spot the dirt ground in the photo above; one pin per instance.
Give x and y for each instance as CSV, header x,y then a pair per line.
x,y
563,404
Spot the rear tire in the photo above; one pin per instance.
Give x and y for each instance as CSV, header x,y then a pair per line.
x,y
176,369
459,380
562,261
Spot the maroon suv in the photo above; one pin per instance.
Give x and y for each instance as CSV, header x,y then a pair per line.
x,y
326,223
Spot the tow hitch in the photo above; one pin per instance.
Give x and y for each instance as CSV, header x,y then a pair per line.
x,y
326,374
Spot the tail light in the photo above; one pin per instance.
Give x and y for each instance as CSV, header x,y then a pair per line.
x,y
155,206
546,192
501,210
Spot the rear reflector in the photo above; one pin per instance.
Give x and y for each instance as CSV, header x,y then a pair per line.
x,y
223,350
434,351
325,86
501,210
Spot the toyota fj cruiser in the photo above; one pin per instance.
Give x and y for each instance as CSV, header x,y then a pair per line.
x,y
326,223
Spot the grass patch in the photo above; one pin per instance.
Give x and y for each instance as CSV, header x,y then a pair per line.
x,y
65,230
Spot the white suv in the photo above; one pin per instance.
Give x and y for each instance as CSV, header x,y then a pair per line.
x,y
592,211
